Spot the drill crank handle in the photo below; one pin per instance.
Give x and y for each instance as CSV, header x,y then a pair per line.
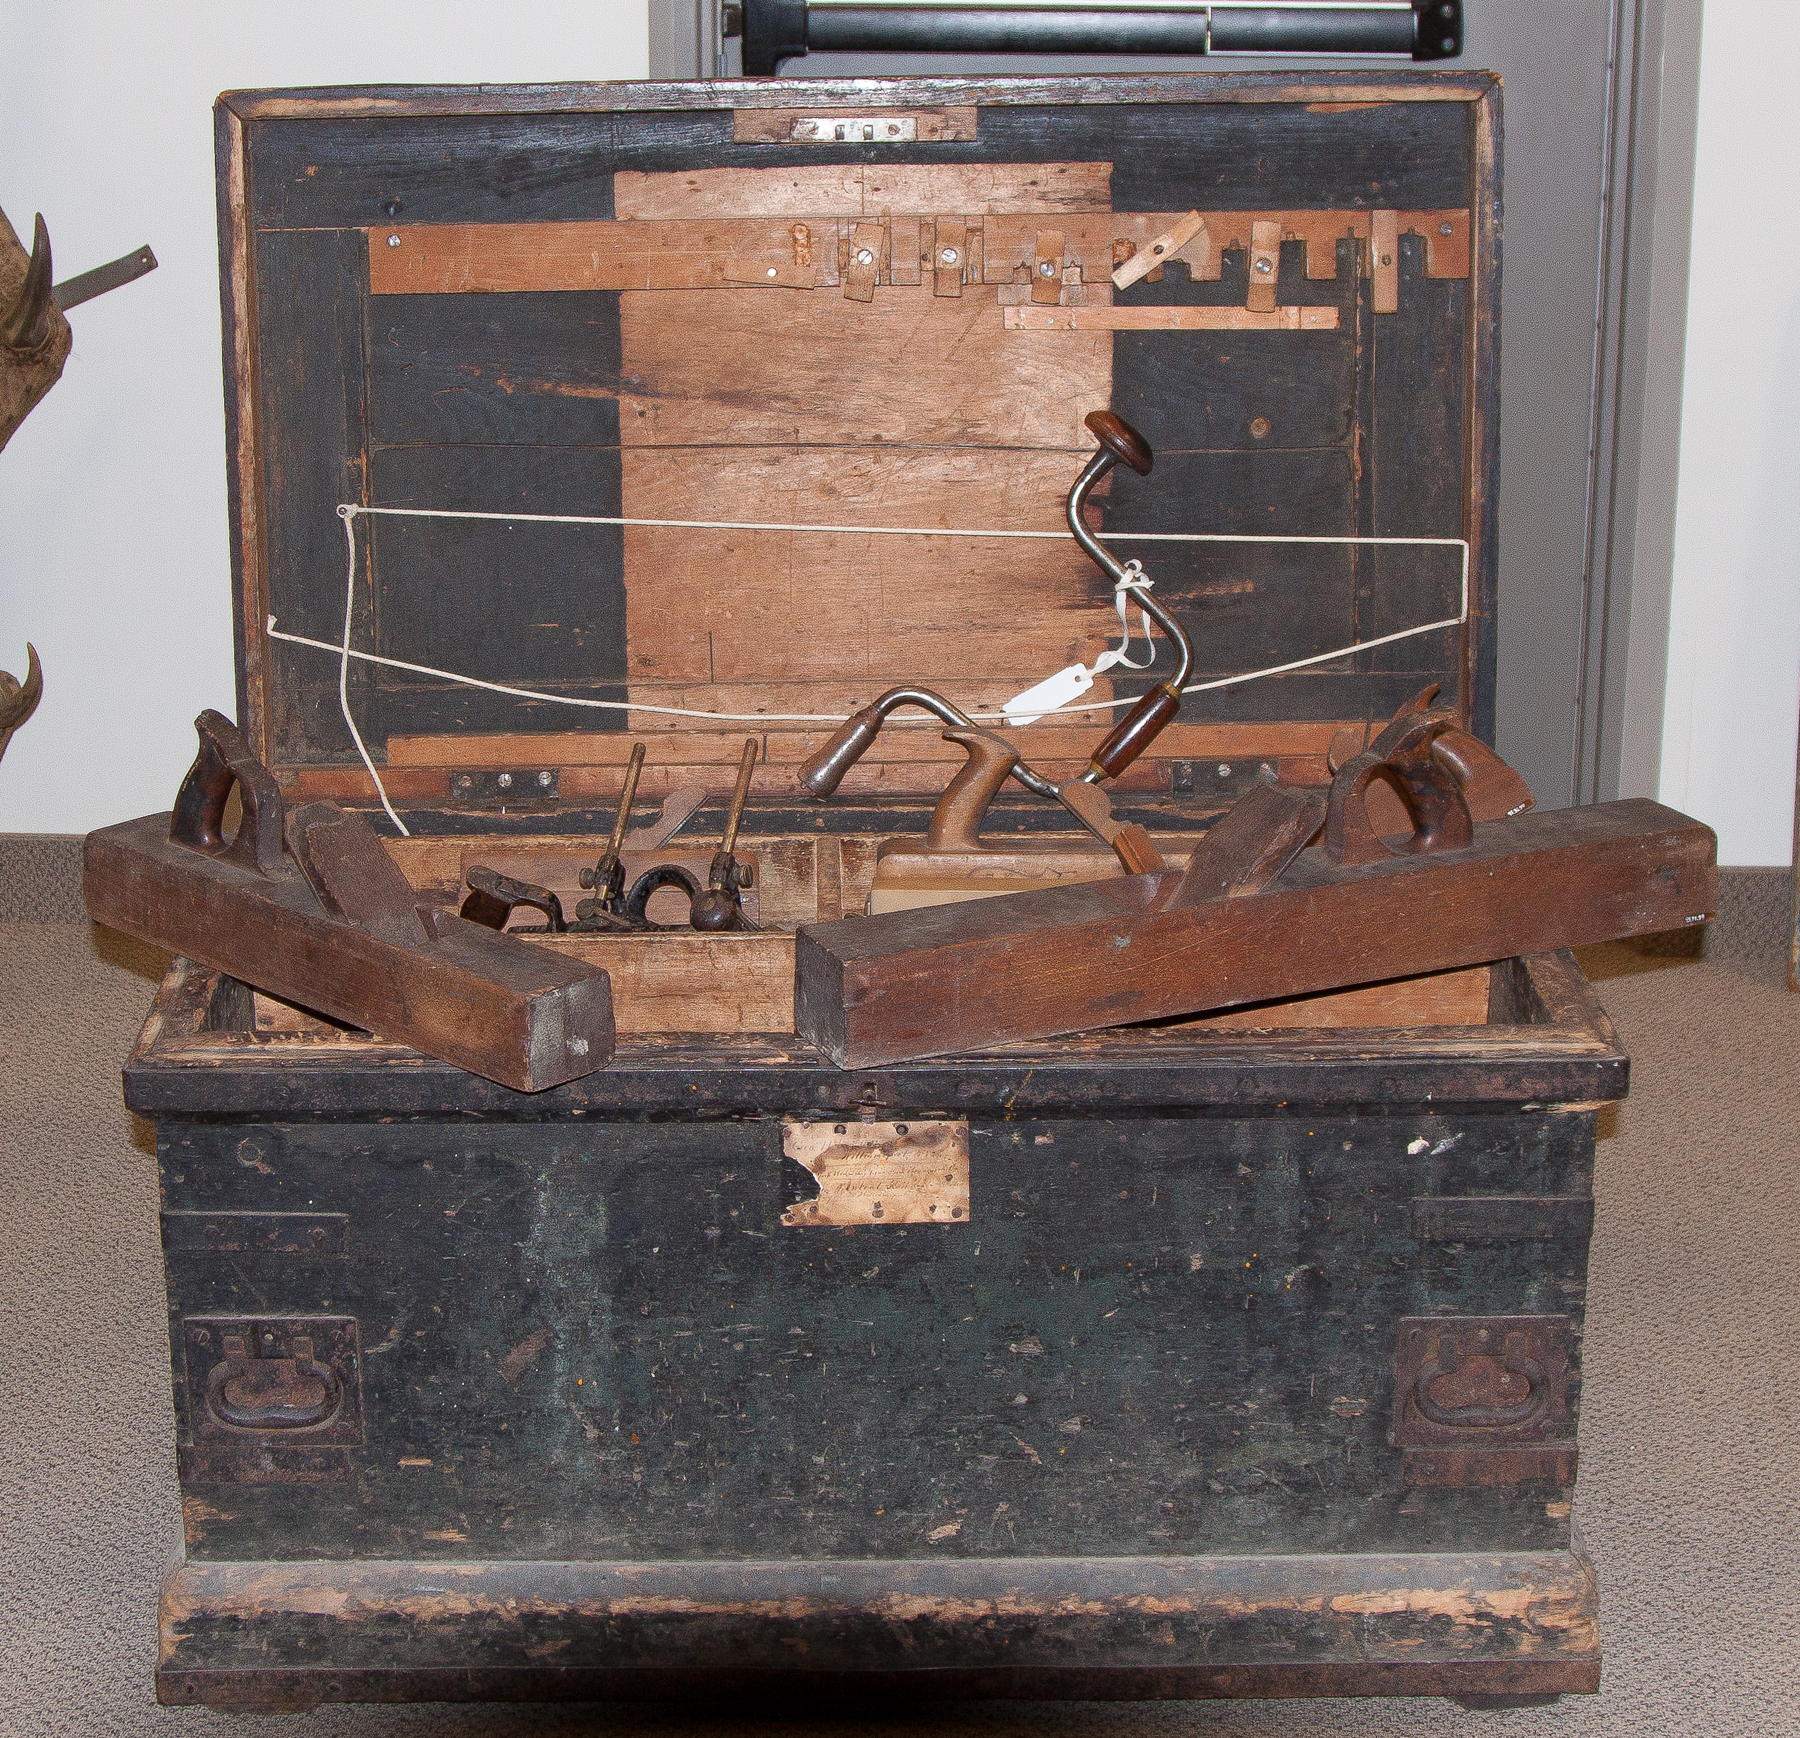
x,y
824,772
1120,442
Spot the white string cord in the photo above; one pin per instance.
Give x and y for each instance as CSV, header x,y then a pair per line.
x,y
344,673
349,512
1134,578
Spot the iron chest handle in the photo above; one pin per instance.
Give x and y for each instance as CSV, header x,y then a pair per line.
x,y
1445,1361
237,1363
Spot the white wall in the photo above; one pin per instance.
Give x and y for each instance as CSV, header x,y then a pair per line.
x,y
1733,697
113,550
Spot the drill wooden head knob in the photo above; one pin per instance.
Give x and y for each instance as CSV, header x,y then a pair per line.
x,y
1120,439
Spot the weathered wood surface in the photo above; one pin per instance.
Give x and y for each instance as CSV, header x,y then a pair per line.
x,y
949,978
1200,1312
445,398
787,229
1076,319
256,1636
1460,998
1549,1041
1335,91
689,982
511,1012
812,188
913,737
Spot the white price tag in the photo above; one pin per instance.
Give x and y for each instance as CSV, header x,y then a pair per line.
x,y
1047,695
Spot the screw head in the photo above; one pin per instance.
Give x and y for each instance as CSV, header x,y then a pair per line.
x,y
949,256
1446,229
465,783
1224,769
544,780
1046,269
504,781
771,271
394,208
393,241
1265,266
864,256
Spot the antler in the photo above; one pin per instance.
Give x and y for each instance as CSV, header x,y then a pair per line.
x,y
19,700
26,324
34,336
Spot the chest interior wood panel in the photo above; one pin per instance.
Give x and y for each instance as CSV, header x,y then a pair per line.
x,y
1154,1336
804,406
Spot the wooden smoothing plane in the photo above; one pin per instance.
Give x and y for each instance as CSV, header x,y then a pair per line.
x,y
1257,915
308,906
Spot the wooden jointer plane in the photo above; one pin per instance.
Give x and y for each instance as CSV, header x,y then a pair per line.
x,y
308,906
1259,913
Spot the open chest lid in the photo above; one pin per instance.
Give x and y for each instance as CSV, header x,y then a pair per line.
x,y
579,415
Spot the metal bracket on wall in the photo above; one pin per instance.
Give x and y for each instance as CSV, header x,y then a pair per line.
x,y
778,30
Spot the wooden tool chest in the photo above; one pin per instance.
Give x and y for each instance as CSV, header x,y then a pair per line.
x,y
1236,1355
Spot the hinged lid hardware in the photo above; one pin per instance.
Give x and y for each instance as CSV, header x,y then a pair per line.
x,y
510,788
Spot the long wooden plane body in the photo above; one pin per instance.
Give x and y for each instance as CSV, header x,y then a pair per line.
x,y
488,1002
942,979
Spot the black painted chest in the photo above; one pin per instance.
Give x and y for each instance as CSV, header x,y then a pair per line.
x,y
1239,1355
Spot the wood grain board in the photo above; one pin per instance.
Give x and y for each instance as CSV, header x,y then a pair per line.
x,y
1178,319
912,369
864,190
902,739
713,229
691,983
962,977
759,606
1458,998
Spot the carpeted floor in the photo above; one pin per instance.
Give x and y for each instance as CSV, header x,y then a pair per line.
x,y
1690,1431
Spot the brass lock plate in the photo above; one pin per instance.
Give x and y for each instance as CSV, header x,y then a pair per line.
x,y
881,1173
